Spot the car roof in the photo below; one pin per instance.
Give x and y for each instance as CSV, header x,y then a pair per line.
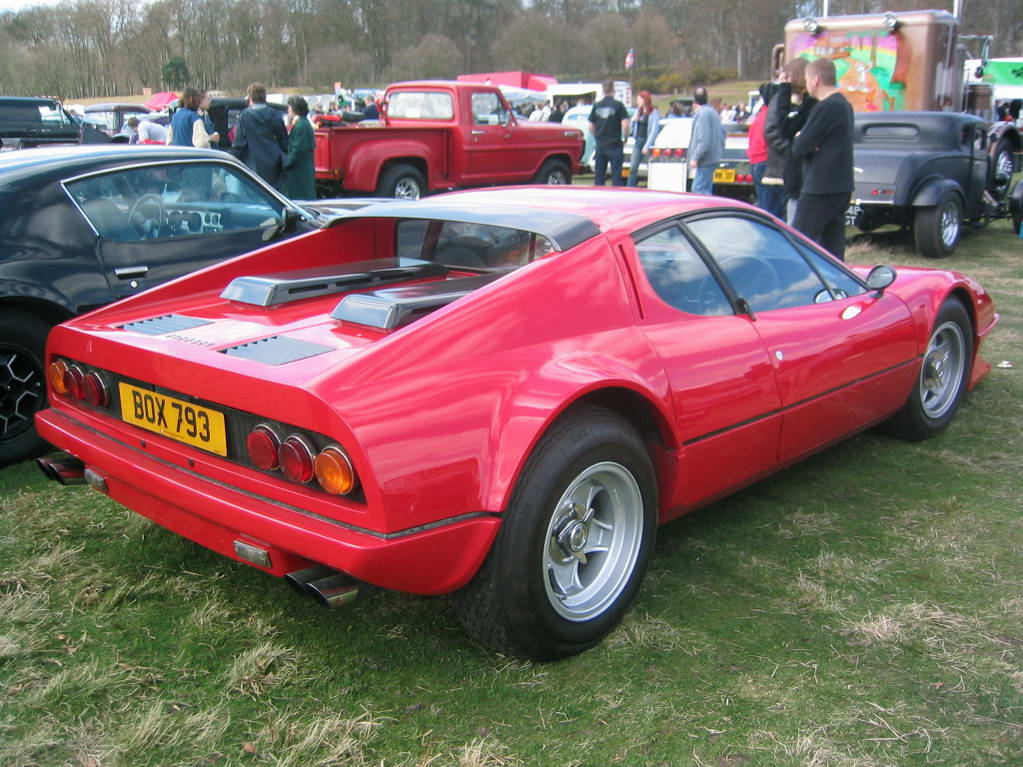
x,y
29,99
567,215
917,118
110,105
82,158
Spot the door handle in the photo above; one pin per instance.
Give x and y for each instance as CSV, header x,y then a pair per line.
x,y
131,272
478,132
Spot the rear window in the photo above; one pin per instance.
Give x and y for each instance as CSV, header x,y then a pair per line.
x,y
469,246
420,105
891,132
32,113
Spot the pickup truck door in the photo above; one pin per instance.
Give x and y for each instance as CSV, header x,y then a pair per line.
x,y
843,356
490,143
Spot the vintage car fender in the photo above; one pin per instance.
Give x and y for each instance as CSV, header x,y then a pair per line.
x,y
365,159
930,191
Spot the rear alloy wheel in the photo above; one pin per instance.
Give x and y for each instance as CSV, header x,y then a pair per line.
x,y
1001,170
573,545
22,385
937,228
553,172
944,375
401,181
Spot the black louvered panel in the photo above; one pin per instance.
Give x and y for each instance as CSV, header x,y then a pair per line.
x,y
167,323
276,350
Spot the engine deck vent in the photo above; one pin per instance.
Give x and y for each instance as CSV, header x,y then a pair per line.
x,y
276,350
165,323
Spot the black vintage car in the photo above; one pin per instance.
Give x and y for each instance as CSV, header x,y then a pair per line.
x,y
83,226
26,123
932,171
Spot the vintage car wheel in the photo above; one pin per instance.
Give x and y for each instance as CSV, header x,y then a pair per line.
x,y
937,228
1001,170
574,543
401,181
943,377
22,384
553,172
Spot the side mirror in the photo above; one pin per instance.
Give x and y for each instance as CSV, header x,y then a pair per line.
x,y
880,277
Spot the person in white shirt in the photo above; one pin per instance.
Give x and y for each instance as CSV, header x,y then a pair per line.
x,y
151,132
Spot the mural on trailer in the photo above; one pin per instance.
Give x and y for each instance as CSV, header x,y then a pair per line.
x,y
867,65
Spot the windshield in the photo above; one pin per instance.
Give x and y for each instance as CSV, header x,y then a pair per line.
x,y
33,114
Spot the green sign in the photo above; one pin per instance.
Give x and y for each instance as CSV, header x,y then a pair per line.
x,y
1004,72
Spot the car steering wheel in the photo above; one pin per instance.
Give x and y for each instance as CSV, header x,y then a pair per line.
x,y
765,278
141,223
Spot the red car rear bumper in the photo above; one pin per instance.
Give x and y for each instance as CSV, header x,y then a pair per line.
x,y
434,559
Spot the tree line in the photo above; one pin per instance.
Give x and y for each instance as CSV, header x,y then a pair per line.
x,y
96,48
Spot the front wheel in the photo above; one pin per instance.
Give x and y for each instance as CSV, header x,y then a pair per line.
x,y
573,545
22,385
943,377
401,181
937,228
553,172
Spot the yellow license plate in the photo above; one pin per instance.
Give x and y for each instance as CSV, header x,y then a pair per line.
x,y
724,175
174,418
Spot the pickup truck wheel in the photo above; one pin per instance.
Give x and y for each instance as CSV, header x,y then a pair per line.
x,y
401,181
553,172
573,545
22,384
937,228
943,377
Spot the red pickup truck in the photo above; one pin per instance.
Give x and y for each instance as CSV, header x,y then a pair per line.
x,y
437,135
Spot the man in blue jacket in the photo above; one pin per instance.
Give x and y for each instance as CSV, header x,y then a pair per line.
x,y
261,141
706,145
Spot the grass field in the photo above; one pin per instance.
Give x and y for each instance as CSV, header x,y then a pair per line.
x,y
861,609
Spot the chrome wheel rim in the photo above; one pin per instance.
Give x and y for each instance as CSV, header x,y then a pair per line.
x,y
950,224
556,177
21,392
1003,168
593,541
942,372
407,189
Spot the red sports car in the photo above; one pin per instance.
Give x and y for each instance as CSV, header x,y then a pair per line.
x,y
497,394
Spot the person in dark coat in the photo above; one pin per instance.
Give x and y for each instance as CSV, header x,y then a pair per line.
x,y
785,118
261,141
300,183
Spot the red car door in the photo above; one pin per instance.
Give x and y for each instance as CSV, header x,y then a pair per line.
x,y
843,356
489,139
722,385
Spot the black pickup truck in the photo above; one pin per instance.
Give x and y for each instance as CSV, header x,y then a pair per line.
x,y
35,122
931,172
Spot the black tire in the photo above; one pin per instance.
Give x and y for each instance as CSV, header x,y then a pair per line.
x,y
22,384
1003,162
944,374
553,172
1016,207
937,228
513,603
401,181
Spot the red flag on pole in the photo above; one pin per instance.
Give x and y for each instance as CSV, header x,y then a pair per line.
x,y
630,59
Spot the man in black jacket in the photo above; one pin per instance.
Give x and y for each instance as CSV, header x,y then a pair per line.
x,y
261,141
787,113
825,148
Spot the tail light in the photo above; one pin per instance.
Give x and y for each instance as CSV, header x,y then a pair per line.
x,y
94,391
655,152
680,152
296,456
55,374
263,446
73,378
334,471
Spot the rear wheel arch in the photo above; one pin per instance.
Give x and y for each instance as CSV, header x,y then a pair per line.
x,y
47,311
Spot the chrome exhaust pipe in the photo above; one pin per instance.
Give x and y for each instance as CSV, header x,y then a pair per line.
x,y
333,591
67,471
298,579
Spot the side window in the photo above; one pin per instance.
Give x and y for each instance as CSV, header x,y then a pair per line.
x,y
679,276
841,283
760,262
166,201
487,109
